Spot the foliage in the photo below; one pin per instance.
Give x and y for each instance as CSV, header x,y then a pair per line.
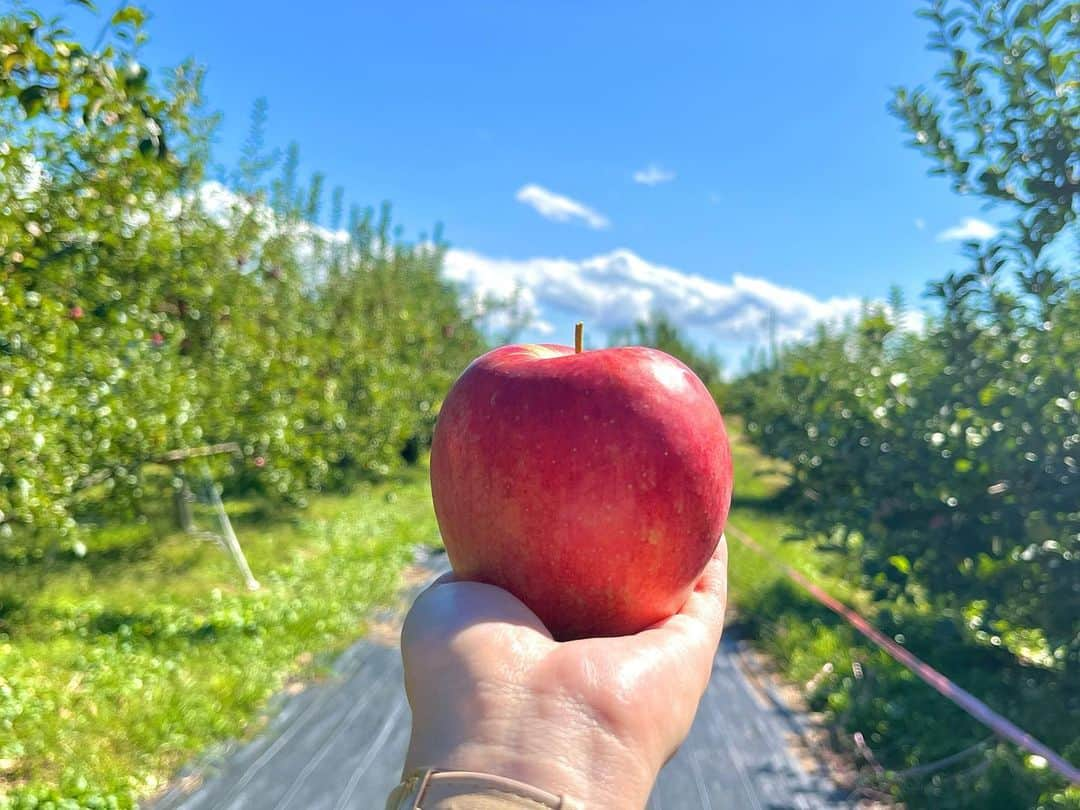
x,y
133,659
943,462
144,309
1009,123
926,752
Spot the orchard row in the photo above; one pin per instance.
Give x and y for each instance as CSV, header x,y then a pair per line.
x,y
942,463
145,310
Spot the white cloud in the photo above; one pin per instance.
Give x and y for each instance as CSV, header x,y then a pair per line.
x,y
913,320
653,175
969,229
558,208
616,289
611,290
920,224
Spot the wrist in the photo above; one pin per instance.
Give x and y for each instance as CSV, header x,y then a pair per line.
x,y
587,785
551,745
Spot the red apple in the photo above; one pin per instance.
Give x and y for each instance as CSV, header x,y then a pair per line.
x,y
594,486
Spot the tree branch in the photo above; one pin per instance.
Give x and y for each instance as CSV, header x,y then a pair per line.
x,y
174,456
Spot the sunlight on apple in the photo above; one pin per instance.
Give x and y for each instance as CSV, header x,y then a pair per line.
x,y
670,376
541,352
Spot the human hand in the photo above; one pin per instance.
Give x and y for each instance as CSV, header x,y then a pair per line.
x,y
594,719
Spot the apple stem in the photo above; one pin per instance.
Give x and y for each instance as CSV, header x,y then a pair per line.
x,y
579,334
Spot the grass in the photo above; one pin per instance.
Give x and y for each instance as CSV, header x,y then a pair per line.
x,y
759,509
861,690
119,666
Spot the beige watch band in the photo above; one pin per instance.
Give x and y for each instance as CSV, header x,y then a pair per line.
x,y
432,789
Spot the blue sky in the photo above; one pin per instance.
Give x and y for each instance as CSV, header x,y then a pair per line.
x,y
778,175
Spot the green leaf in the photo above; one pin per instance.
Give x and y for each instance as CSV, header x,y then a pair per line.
x,y
900,563
129,15
10,62
91,110
33,99
1025,15
136,77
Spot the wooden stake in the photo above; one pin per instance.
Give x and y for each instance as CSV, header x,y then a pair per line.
x,y
232,545
579,334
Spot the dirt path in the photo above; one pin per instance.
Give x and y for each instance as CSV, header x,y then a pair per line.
x,y
339,744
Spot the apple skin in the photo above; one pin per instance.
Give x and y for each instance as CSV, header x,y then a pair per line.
x,y
593,486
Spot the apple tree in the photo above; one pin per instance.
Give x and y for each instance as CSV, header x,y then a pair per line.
x,y
945,462
145,309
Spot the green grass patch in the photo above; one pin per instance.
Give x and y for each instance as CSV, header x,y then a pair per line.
x,y
760,509
119,666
